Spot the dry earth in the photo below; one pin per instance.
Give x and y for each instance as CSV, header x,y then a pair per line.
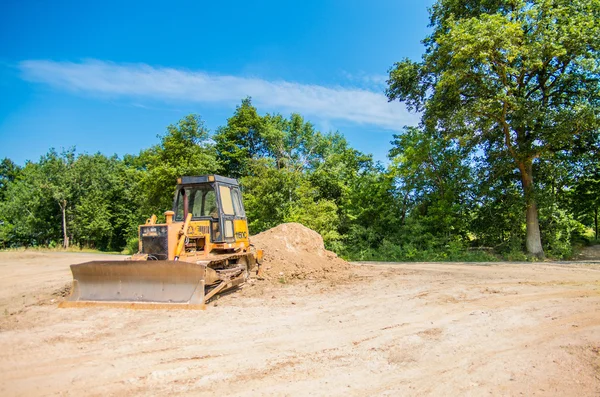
x,y
402,329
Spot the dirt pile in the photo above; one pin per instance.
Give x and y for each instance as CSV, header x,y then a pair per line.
x,y
293,251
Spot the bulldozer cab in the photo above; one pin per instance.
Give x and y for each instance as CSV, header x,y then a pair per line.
x,y
215,199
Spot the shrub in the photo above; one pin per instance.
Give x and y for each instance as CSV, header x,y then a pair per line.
x,y
132,246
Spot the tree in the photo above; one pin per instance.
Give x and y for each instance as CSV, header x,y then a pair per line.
x,y
517,76
98,215
58,182
9,171
28,214
318,214
242,139
497,205
269,194
294,143
185,149
585,197
434,179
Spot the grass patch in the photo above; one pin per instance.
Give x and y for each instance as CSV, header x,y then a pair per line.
x,y
409,253
60,249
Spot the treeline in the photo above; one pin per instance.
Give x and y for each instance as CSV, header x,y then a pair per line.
x,y
436,200
506,159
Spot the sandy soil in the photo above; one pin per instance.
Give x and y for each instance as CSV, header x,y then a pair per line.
x,y
402,329
295,252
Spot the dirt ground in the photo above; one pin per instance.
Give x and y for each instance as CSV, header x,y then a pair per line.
x,y
387,329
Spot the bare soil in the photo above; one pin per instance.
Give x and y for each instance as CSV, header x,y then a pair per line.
x,y
386,329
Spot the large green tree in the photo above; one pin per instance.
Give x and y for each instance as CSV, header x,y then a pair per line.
x,y
58,181
185,149
241,140
517,76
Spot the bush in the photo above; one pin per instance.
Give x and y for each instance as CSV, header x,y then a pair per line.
x,y
515,255
132,246
389,251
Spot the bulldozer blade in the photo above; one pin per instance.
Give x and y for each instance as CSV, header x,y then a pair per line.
x,y
137,284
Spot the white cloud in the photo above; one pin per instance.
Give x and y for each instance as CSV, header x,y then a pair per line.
x,y
373,81
141,81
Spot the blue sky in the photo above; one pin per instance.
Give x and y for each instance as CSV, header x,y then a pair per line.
x,y
109,76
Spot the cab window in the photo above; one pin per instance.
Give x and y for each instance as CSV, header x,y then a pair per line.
x,y
226,200
210,205
237,202
179,210
202,202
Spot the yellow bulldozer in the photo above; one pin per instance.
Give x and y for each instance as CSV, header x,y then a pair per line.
x,y
202,249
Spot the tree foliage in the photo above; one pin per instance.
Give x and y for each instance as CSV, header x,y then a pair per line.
x,y
439,198
185,149
519,78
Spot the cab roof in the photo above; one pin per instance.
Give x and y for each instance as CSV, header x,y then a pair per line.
x,y
195,180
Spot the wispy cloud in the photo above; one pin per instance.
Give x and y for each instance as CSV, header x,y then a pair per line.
x,y
139,81
365,80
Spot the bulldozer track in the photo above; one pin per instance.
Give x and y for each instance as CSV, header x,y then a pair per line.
x,y
214,263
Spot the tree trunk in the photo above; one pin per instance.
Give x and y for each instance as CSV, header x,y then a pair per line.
x,y
533,241
596,222
63,206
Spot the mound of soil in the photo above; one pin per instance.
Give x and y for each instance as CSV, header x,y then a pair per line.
x,y
293,251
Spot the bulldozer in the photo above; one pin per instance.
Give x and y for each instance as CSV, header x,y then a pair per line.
x,y
201,250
